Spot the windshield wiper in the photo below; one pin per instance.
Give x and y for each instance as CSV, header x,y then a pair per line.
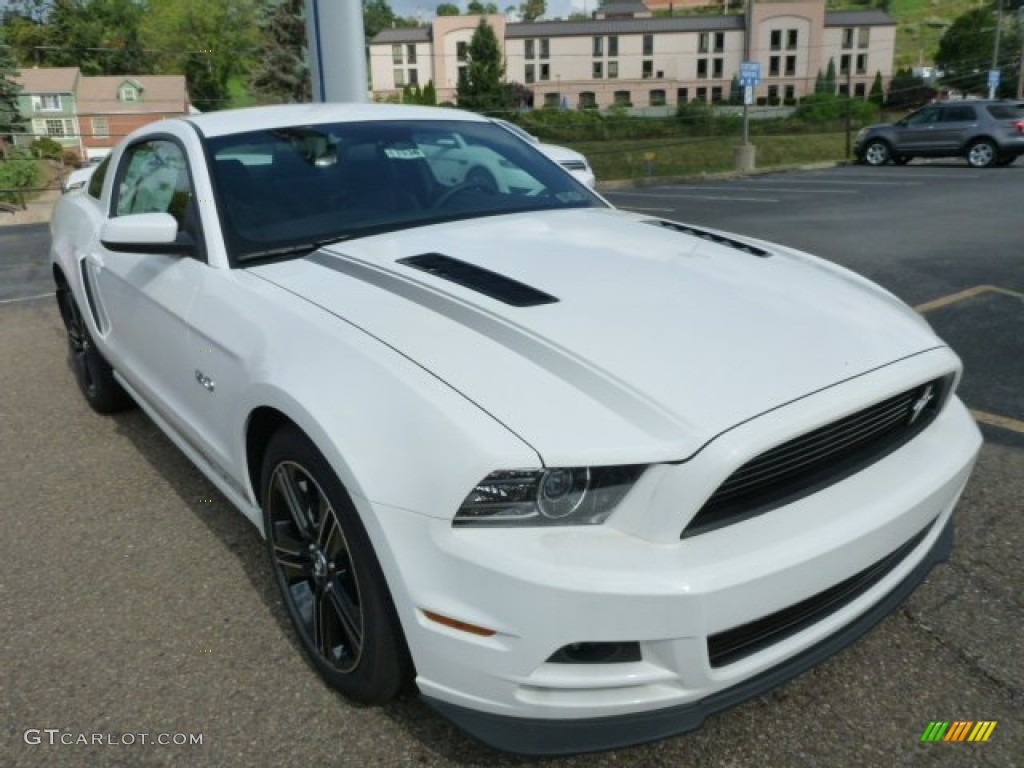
x,y
302,249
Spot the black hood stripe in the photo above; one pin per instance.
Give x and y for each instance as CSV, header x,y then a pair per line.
x,y
596,383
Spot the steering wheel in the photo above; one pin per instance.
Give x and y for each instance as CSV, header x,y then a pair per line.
x,y
477,178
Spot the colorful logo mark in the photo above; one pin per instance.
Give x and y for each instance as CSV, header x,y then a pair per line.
x,y
959,730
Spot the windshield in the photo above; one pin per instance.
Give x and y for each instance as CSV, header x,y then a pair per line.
x,y
293,188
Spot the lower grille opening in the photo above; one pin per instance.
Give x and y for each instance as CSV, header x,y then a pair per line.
x,y
739,642
596,653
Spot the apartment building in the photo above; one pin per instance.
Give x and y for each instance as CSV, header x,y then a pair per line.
x,y
626,56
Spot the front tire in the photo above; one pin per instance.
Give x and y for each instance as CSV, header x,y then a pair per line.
x,y
94,375
330,580
982,154
877,152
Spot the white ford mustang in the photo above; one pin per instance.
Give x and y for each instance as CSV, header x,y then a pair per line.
x,y
585,476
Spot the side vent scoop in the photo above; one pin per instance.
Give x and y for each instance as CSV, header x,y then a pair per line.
x,y
704,235
478,279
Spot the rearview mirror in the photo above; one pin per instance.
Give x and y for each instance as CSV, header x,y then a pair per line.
x,y
145,233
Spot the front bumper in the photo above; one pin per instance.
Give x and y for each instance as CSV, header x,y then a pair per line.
x,y
538,736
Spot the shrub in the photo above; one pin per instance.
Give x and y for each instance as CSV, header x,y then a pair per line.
x,y
19,171
47,147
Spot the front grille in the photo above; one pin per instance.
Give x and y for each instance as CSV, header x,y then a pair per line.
x,y
820,458
739,642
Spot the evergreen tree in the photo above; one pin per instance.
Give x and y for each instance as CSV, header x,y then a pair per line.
x,y
877,94
482,87
448,9
282,73
10,117
819,82
830,77
430,94
531,10
735,91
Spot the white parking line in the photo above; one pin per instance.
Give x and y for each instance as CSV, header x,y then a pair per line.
x,y
745,188
843,181
690,196
28,298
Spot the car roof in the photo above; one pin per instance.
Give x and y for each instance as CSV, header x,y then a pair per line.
x,y
231,121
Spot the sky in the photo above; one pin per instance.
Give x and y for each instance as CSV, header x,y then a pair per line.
x,y
556,8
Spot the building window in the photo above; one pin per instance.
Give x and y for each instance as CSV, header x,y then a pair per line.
x,y
545,71
56,128
647,69
414,77
702,68
552,99
843,90
682,95
859,90
648,45
399,77
463,75
613,45
791,38
790,66
703,42
702,94
716,95
773,66
863,37
862,63
776,39
588,100
844,64
100,127
790,94
47,102
773,95
396,54
622,99
599,46
410,54
128,93
545,48
531,74
613,69
719,42
529,54
717,68
597,70
847,37
461,50
658,98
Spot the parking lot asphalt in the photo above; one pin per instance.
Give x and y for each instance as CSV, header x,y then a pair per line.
x,y
136,600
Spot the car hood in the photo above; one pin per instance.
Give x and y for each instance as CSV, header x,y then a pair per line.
x,y
561,154
659,339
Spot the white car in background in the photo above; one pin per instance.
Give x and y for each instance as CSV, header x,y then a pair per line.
x,y
569,159
586,476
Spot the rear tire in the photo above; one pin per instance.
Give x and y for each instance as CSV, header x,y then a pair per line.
x,y
982,154
331,583
94,375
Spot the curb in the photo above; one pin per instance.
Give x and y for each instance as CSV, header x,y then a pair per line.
x,y
653,181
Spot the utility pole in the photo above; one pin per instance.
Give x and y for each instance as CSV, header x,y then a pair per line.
x,y
995,50
1020,33
745,154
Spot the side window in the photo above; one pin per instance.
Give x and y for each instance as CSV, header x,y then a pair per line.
x,y
958,115
154,180
95,188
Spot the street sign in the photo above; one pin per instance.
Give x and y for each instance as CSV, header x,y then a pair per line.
x,y
750,73
993,78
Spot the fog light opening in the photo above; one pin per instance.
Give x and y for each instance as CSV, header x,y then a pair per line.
x,y
597,653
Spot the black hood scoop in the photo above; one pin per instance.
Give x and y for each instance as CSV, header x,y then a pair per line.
x,y
499,287
714,238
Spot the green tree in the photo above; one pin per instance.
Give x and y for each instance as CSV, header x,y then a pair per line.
x,y
10,118
482,87
908,90
474,8
211,42
735,91
877,94
448,9
429,93
829,83
282,73
965,51
531,10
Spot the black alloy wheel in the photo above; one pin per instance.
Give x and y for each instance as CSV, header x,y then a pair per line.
x,y
330,580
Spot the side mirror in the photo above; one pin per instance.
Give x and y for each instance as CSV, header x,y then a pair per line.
x,y
145,233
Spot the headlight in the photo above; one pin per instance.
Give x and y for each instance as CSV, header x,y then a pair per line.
x,y
572,496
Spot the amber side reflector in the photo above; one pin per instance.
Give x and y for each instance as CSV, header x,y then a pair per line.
x,y
473,629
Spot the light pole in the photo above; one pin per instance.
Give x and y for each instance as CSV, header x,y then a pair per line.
x,y
995,50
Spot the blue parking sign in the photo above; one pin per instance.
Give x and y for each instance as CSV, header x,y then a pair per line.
x,y
750,73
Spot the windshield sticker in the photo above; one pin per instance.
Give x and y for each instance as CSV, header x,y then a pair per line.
x,y
404,154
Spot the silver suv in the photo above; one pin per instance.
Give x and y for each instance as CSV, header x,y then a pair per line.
x,y
985,133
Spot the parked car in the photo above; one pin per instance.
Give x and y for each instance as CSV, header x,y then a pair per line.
x,y
985,133
570,159
585,476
